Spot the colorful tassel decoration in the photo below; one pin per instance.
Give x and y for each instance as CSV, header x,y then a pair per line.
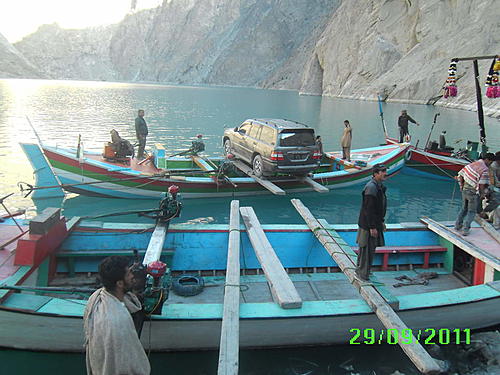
x,y
492,85
450,88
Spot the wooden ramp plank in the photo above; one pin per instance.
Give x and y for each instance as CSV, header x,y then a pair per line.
x,y
418,355
155,245
230,332
276,190
282,287
315,185
203,164
490,229
465,245
391,299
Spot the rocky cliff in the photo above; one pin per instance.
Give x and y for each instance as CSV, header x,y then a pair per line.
x,y
353,49
13,64
402,48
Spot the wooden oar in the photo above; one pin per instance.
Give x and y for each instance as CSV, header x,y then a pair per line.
x,y
417,354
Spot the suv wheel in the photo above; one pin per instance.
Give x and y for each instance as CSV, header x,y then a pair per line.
x,y
258,167
227,147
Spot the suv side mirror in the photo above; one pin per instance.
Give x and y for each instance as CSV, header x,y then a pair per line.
x,y
235,129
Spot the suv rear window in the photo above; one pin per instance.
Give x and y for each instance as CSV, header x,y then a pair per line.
x,y
297,138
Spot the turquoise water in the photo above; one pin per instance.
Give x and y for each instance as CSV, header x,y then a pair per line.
x,y
61,110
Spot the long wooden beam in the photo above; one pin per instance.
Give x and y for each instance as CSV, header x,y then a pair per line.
x,y
156,242
490,229
276,190
466,246
230,333
417,354
281,286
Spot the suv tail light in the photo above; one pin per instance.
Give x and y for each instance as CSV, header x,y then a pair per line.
x,y
277,155
317,155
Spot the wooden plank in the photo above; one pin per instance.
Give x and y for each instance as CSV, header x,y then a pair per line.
x,y
155,245
466,246
392,300
490,229
316,186
282,287
276,190
420,358
204,165
230,332
71,223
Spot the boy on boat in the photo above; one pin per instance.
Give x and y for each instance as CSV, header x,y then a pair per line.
x,y
112,345
371,220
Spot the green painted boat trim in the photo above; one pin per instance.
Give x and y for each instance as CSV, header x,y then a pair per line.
x,y
14,279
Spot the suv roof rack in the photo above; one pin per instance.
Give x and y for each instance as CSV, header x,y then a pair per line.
x,y
281,123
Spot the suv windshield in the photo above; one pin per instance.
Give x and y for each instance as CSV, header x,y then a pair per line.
x,y
297,138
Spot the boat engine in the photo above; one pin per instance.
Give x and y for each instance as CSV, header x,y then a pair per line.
x,y
156,288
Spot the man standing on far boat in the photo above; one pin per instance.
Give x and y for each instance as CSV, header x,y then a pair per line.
x,y
371,220
403,126
141,131
346,140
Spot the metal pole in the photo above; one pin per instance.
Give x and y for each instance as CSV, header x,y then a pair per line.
x,y
480,115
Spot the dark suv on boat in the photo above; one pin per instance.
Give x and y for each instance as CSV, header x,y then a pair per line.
x,y
274,146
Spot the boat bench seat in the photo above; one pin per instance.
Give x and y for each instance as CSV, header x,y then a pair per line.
x,y
388,250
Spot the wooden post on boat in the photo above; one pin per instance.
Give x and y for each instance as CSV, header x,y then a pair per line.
x,y
230,334
417,354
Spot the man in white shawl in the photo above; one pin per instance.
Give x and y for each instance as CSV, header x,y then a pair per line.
x,y
112,345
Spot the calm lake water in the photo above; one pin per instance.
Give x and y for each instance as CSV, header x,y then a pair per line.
x,y
61,110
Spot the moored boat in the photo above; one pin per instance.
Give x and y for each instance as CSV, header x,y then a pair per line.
x,y
92,174
64,255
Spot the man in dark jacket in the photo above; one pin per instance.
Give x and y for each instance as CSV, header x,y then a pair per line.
x,y
403,125
141,131
371,220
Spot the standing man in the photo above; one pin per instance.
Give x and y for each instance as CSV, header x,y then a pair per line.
x,y
403,126
111,342
141,131
473,180
371,220
346,141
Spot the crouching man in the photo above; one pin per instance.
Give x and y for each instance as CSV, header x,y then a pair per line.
x,y
112,346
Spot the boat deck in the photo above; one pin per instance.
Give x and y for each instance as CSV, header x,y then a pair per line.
x,y
318,287
7,253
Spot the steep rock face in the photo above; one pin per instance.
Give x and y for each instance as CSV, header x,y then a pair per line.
x,y
13,64
70,54
354,49
402,49
215,41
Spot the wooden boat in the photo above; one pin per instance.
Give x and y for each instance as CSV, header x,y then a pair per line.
x,y
62,254
91,174
443,162
432,162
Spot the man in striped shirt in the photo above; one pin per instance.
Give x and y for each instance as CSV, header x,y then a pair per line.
x,y
473,180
